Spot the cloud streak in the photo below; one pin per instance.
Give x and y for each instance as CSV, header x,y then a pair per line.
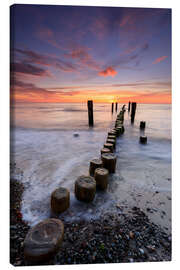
x,y
29,69
159,59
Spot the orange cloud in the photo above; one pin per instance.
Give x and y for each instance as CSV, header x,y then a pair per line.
x,y
159,59
109,71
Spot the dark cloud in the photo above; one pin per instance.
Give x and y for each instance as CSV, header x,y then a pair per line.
x,y
46,60
28,69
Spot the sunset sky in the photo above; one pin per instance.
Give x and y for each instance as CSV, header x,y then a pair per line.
x,y
71,54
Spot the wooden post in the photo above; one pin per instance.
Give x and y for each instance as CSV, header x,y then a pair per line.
x,y
133,111
142,125
90,112
116,106
143,139
112,107
129,106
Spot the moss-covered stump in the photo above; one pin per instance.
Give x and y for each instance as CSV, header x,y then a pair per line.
x,y
111,141
109,162
105,151
43,240
60,200
101,178
85,188
143,139
109,146
94,164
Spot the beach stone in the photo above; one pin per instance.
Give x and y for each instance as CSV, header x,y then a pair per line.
x,y
109,162
143,139
109,146
111,141
105,151
43,240
101,178
94,164
60,200
85,188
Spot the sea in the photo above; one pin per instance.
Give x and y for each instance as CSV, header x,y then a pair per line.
x,y
52,144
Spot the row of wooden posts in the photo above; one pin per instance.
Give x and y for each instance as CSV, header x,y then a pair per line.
x,y
44,239
131,106
99,169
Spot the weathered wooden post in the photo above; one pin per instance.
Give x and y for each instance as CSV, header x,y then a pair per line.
x,y
129,106
85,188
142,125
133,111
105,151
143,139
112,107
94,164
60,200
116,106
109,162
101,178
90,112
43,240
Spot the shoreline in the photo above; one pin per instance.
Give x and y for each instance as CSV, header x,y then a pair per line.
x,y
113,238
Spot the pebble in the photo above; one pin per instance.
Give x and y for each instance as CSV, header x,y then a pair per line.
x,y
131,234
141,251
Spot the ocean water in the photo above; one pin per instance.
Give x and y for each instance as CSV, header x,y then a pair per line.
x,y
48,155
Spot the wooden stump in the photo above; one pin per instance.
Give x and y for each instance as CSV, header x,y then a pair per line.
x,y
43,240
109,162
109,146
112,133
101,178
120,130
90,112
94,164
105,151
112,137
111,141
143,139
142,125
85,188
60,200
118,123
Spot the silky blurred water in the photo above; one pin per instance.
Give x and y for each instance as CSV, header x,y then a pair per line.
x,y
44,147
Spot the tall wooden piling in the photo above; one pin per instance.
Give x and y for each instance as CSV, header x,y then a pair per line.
x,y
129,106
112,109
133,111
116,106
90,112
